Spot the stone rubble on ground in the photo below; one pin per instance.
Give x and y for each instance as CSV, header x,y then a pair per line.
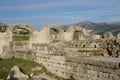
x,y
16,74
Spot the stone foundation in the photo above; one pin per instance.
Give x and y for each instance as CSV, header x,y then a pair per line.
x,y
94,68
65,63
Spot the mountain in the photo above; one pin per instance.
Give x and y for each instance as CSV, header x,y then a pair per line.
x,y
101,27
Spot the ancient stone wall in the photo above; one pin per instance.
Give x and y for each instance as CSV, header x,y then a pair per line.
x,y
5,39
93,68
63,56
49,56
84,48
44,36
38,37
69,34
118,36
64,59
21,49
13,27
2,46
112,47
58,61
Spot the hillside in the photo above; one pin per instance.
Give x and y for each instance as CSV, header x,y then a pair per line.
x,y
25,65
101,27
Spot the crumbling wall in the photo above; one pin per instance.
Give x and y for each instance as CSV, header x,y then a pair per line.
x,y
43,36
93,68
51,56
5,39
69,34
12,27
57,60
21,49
112,47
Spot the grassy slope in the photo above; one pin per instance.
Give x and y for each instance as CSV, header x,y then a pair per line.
x,y
25,65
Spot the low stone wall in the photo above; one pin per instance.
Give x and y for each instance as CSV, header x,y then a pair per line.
x,y
53,60
94,68
5,39
64,62
21,49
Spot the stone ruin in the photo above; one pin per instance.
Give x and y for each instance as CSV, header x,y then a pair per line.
x,y
111,44
16,74
72,52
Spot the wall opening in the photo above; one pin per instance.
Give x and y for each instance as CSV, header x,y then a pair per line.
x,y
54,34
20,34
77,35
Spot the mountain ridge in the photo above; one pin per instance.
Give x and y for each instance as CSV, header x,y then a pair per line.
x,y
100,27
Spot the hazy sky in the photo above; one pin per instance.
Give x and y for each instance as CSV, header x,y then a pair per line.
x,y
39,13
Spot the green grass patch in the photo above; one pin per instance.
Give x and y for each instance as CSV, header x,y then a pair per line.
x,y
25,65
20,38
75,36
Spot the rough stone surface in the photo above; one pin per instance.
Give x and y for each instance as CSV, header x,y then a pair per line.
x,y
16,74
42,77
112,47
65,56
94,68
118,36
108,35
13,27
5,39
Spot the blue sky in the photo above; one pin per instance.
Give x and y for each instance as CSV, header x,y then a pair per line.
x,y
39,13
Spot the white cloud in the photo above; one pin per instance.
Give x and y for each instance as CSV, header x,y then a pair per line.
x,y
101,10
39,5
37,21
40,21
62,3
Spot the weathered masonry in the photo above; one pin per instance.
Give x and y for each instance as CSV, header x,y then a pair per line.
x,y
71,52
94,68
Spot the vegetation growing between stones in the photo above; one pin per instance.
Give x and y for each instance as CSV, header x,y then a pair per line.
x,y
20,38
